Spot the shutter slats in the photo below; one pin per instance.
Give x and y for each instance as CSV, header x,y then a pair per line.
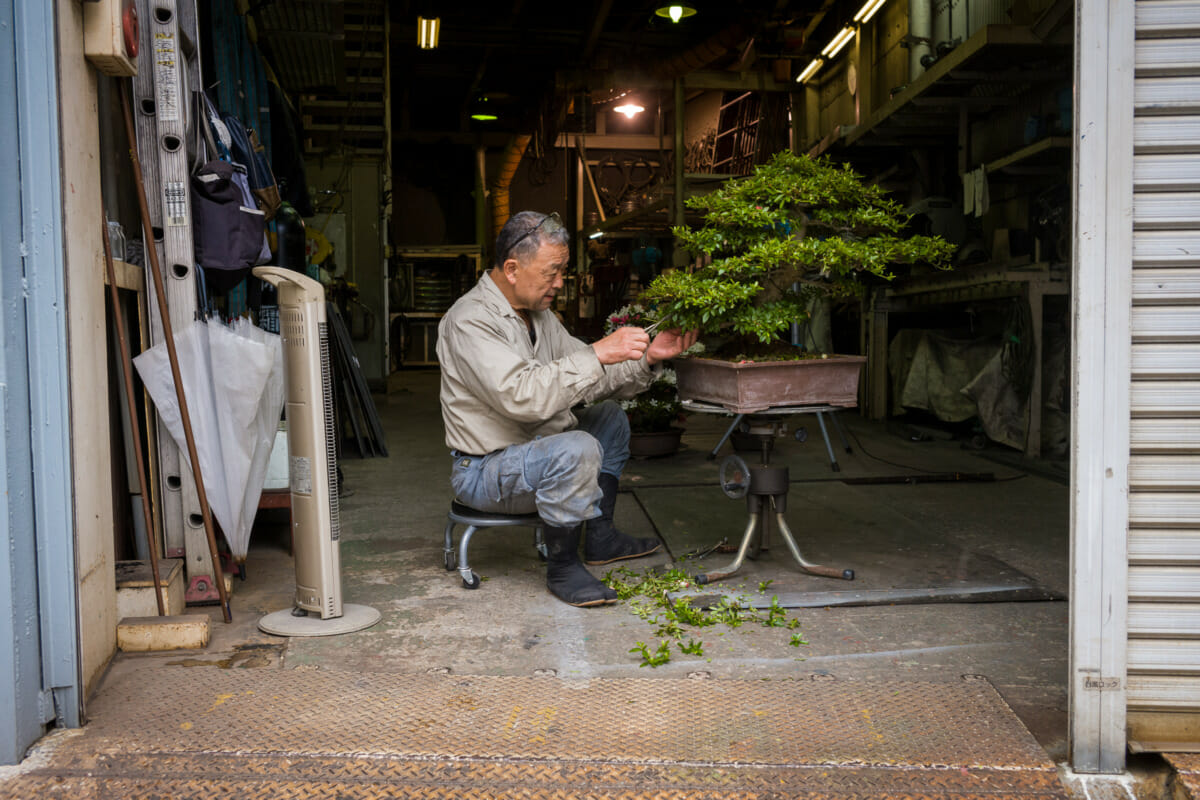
x,y
1166,210
1165,620
1164,548
1173,18
1167,172
1166,324
1164,473
1164,510
1159,584
1166,286
1163,692
1164,657
1166,248
1167,95
1165,56
1164,435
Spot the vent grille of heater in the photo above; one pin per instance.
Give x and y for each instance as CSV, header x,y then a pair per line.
x,y
292,325
335,525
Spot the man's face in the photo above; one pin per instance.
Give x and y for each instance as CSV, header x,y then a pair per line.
x,y
537,279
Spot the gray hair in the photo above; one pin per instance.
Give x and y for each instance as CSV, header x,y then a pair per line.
x,y
525,232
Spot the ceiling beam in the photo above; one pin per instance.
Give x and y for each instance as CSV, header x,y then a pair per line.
x,y
750,81
589,46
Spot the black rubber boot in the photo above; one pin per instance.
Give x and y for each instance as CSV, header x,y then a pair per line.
x,y
604,543
566,577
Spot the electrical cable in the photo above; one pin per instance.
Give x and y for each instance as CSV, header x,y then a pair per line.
x,y
869,454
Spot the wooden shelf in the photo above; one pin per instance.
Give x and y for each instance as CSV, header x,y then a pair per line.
x,y
1032,282
129,276
1040,157
975,282
998,57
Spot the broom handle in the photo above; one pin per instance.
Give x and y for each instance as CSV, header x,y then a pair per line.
x,y
127,370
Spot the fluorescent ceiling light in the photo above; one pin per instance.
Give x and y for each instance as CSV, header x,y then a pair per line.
x,y
629,109
810,70
838,42
868,10
427,32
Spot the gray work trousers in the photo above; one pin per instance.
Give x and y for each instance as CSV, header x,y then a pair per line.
x,y
556,475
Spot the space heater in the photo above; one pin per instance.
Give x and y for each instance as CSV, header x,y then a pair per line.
x,y
312,461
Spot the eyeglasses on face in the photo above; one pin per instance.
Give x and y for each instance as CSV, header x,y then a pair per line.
x,y
553,215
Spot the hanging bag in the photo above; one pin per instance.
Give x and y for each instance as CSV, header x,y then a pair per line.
x,y
246,149
229,230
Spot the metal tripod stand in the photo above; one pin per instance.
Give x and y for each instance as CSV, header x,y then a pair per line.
x,y
765,488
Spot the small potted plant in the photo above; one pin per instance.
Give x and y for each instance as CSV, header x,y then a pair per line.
x,y
794,229
652,417
655,414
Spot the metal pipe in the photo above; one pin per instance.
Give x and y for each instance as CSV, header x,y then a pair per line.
x,y
127,370
588,174
679,147
815,569
481,199
173,357
736,564
920,35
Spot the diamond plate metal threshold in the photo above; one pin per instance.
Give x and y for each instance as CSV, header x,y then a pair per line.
x,y
185,733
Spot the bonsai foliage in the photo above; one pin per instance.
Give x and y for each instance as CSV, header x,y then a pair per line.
x,y
795,220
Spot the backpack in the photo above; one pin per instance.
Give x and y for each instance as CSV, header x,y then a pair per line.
x,y
228,228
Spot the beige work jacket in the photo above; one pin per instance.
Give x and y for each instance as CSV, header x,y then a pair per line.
x,y
499,389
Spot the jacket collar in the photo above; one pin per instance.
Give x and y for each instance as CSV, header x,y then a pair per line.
x,y
493,297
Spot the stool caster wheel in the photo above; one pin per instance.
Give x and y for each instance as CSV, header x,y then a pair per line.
x,y
451,562
473,583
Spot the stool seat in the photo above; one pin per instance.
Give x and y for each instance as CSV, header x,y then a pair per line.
x,y
490,519
475,519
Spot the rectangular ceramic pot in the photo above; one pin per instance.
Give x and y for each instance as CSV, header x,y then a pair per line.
x,y
747,387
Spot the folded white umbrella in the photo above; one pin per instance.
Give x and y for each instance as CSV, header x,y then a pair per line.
x,y
233,382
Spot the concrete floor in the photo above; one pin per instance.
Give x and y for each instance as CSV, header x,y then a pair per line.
x,y
894,535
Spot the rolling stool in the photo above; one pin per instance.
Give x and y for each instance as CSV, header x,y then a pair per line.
x,y
475,519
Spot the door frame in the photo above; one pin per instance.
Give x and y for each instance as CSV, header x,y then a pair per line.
x,y
1102,286
39,607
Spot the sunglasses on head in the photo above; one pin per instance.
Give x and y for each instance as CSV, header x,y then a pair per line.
x,y
553,215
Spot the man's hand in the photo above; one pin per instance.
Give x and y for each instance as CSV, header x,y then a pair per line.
x,y
623,344
668,344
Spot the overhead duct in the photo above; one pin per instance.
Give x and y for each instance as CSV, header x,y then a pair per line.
x,y
508,168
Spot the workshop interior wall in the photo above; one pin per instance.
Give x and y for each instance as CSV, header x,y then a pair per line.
x,y
359,183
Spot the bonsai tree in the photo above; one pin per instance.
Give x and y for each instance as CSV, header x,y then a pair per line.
x,y
795,221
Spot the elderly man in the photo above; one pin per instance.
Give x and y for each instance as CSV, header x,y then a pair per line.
x,y
512,377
